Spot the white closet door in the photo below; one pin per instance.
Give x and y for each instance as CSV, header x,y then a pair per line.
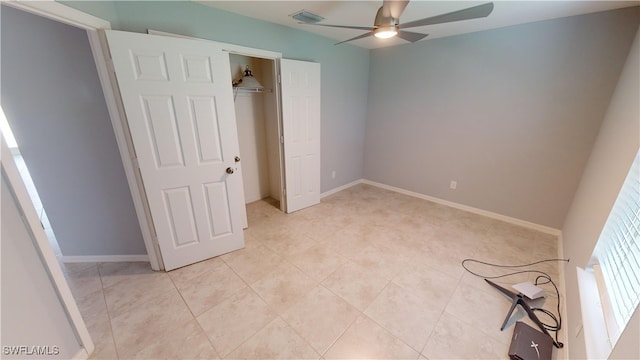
x,y
301,130
179,106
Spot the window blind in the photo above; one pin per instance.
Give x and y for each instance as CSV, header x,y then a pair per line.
x,y
618,249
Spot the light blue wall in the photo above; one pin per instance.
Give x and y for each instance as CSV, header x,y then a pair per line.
x,y
54,103
510,113
345,68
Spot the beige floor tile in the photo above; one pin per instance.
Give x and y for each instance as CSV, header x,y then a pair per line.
x,y
494,274
461,239
185,342
276,341
84,282
322,229
94,310
144,324
252,264
320,318
380,262
365,339
135,291
445,256
468,299
263,212
433,213
283,287
250,241
186,273
233,321
405,315
434,287
70,268
209,288
287,242
469,221
114,272
455,339
394,257
317,261
546,246
105,347
398,245
316,212
415,225
501,229
354,284
349,241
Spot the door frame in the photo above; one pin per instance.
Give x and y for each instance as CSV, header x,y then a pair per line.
x,y
55,11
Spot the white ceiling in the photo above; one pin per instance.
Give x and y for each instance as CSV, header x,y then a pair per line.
x,y
362,13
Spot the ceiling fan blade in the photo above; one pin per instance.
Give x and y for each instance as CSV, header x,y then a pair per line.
x,y
393,8
368,28
411,36
464,14
356,38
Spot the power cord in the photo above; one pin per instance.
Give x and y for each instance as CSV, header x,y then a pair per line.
x,y
546,279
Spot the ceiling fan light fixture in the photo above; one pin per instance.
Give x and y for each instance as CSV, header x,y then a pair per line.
x,y
386,32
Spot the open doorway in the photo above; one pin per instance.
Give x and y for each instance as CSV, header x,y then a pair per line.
x,y
53,100
28,182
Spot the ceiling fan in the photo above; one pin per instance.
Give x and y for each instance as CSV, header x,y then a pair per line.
x,y
387,22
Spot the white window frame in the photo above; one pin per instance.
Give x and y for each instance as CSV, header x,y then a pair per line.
x,y
599,305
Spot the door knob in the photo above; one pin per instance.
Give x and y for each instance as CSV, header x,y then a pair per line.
x,y
237,159
229,170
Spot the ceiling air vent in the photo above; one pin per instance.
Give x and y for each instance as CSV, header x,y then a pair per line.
x,y
306,17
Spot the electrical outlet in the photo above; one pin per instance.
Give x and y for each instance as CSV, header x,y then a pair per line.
x,y
453,185
333,174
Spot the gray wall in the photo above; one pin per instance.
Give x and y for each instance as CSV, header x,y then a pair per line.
x,y
345,68
511,113
53,101
32,314
612,155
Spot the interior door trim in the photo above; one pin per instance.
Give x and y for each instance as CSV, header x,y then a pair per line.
x,y
43,248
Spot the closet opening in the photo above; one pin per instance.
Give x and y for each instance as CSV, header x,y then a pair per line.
x,y
259,130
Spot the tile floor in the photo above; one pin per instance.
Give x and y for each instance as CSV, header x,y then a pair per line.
x,y
368,273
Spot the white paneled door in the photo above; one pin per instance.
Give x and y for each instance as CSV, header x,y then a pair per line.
x,y
178,102
301,130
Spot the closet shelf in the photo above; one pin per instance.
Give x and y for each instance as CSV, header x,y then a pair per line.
x,y
249,90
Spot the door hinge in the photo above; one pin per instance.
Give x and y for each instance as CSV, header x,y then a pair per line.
x,y
136,163
279,78
284,191
282,139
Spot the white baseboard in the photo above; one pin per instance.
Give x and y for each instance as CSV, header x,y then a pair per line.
x,y
105,258
508,219
340,188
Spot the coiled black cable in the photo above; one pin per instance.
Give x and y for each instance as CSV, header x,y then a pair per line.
x,y
557,320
